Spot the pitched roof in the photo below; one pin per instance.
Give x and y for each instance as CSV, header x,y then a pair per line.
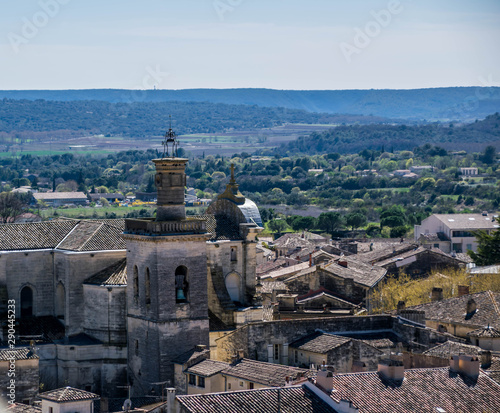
x,y
286,271
65,234
19,353
93,236
115,274
293,399
32,236
467,221
207,367
320,292
415,252
268,374
450,348
391,250
429,389
485,332
453,310
360,272
319,342
22,408
68,394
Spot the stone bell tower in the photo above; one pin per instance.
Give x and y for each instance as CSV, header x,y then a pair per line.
x,y
166,281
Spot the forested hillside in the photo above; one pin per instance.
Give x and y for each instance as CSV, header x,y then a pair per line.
x,y
354,138
146,119
452,103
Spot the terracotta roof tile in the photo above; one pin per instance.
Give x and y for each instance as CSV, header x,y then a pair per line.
x,y
19,353
453,310
294,399
268,374
485,332
207,367
22,408
32,236
68,394
115,274
429,389
319,342
450,348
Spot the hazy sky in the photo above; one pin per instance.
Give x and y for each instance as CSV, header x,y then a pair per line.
x,y
280,44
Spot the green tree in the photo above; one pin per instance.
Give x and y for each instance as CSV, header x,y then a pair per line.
x,y
355,220
330,222
490,155
277,225
301,223
11,205
488,247
394,216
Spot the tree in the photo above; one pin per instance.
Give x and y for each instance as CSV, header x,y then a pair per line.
x,y
392,217
488,247
300,223
277,225
11,205
355,220
490,155
330,222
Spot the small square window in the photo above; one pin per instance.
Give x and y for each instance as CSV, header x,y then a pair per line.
x,y
192,380
241,384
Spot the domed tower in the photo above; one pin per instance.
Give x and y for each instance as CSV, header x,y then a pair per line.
x,y
167,280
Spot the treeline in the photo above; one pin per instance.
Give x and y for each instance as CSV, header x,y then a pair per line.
x,y
354,138
24,119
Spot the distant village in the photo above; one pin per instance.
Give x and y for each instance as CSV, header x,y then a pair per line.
x,y
200,313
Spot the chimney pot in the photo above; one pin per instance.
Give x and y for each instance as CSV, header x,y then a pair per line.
x,y
437,294
391,369
485,359
463,290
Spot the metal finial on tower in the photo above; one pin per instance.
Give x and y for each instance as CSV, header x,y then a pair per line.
x,y
170,139
232,181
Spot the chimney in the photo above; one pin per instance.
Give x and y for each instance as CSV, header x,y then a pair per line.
x,y
171,408
467,365
241,354
463,290
437,294
343,264
401,306
485,359
391,369
471,306
324,379
201,347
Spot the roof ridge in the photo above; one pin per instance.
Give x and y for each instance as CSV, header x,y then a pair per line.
x,y
82,247
494,301
68,234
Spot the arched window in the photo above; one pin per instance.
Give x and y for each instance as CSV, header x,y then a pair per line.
x,y
136,283
26,302
233,286
148,287
181,284
60,300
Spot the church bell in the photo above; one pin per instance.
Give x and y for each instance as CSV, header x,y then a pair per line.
x,y
180,294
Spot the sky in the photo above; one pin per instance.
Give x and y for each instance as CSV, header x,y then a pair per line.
x,y
277,44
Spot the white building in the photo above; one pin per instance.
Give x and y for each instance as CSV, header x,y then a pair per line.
x,y
455,232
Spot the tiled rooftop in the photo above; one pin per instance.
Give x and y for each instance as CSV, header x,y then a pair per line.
x,y
19,353
294,399
422,390
450,348
268,374
453,310
68,394
362,273
65,234
115,274
489,332
319,342
22,408
207,367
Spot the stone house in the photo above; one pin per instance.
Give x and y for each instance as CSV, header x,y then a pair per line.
x,y
343,354
68,400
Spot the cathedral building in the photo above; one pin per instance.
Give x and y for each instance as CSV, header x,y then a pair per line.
x,y
112,303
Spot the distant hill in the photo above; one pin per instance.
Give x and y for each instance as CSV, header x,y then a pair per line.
x,y
25,119
350,139
438,104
